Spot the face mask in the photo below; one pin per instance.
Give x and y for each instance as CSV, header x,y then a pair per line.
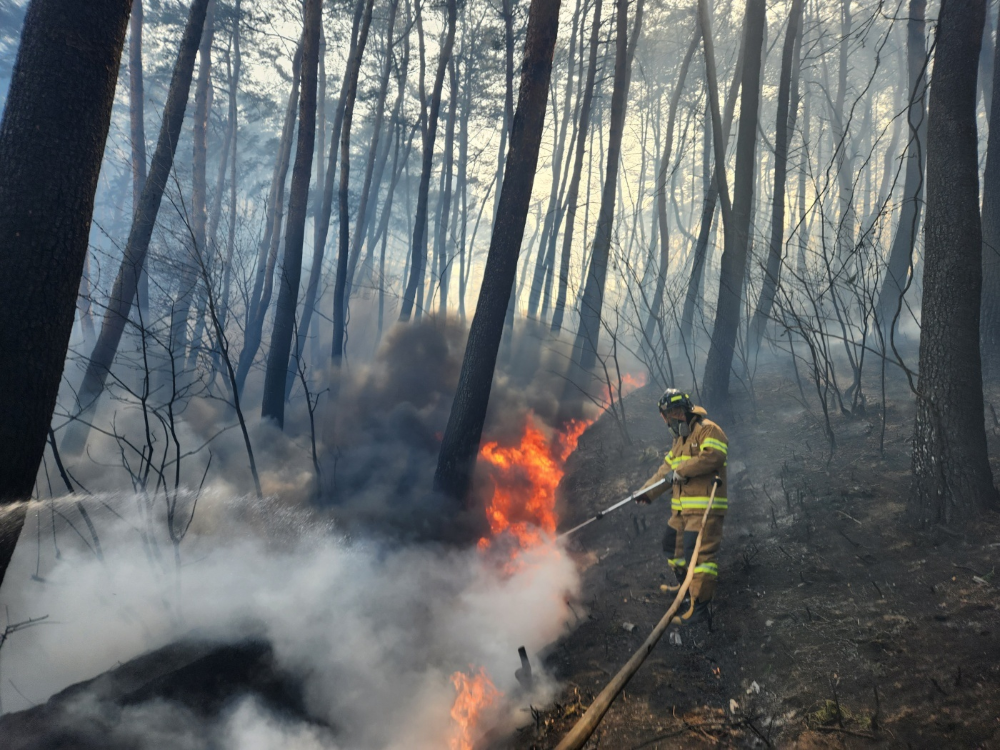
x,y
674,427
683,429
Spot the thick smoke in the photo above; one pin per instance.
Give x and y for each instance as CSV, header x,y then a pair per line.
x,y
371,631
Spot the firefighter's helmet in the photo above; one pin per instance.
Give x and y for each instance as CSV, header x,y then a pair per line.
x,y
673,398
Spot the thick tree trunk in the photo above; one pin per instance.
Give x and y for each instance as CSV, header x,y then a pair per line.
x,y
592,302
52,135
901,252
782,132
273,406
990,324
460,444
340,283
952,482
715,389
127,281
418,251
573,195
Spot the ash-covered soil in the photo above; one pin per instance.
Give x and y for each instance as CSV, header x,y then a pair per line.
x,y
837,623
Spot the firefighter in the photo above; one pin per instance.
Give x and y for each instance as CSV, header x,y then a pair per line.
x,y
697,456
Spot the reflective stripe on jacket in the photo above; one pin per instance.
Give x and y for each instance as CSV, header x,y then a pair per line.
x,y
698,458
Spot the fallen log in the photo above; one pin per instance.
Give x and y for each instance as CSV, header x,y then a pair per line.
x,y
581,731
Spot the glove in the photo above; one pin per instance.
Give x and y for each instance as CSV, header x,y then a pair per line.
x,y
674,478
642,498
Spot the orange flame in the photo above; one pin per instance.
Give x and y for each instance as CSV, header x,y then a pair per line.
x,y
525,478
475,693
628,384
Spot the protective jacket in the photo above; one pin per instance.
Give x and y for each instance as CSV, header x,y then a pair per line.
x,y
698,458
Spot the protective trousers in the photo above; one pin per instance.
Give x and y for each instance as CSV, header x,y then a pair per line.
x,y
679,540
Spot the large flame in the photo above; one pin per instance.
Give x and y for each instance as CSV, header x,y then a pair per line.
x,y
475,693
525,478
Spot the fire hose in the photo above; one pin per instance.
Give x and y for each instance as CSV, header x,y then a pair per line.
x,y
616,506
581,731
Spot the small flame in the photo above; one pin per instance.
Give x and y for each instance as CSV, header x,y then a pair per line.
x,y
475,693
629,383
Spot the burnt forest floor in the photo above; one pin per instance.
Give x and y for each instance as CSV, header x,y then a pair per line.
x,y
836,623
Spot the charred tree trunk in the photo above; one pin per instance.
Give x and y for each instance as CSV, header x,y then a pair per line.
x,y
227,273
782,132
440,234
460,444
901,253
573,195
340,283
715,390
273,406
592,302
52,135
952,482
127,280
418,251
990,324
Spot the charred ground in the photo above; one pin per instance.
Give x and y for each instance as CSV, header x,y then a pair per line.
x,y
837,624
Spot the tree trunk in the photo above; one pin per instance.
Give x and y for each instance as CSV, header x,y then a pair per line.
x,y
418,252
990,324
573,195
126,282
440,234
901,252
273,405
661,190
52,135
340,283
772,274
227,273
715,390
952,482
693,294
592,301
137,130
460,443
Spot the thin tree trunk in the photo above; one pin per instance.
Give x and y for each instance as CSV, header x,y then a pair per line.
x,y
227,273
715,390
693,294
137,130
460,443
440,235
419,245
592,301
52,135
782,133
661,189
127,281
901,252
273,405
990,309
952,481
573,195
340,283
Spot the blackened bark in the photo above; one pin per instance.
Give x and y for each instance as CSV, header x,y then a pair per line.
x,y
990,309
418,252
126,282
52,135
273,405
772,273
715,390
952,482
460,444
573,195
592,302
137,128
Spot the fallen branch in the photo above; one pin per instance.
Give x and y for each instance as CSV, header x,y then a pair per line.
x,y
581,731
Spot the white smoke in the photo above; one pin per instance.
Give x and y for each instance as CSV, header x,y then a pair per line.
x,y
372,630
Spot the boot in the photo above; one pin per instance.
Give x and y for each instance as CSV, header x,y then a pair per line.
x,y
699,613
